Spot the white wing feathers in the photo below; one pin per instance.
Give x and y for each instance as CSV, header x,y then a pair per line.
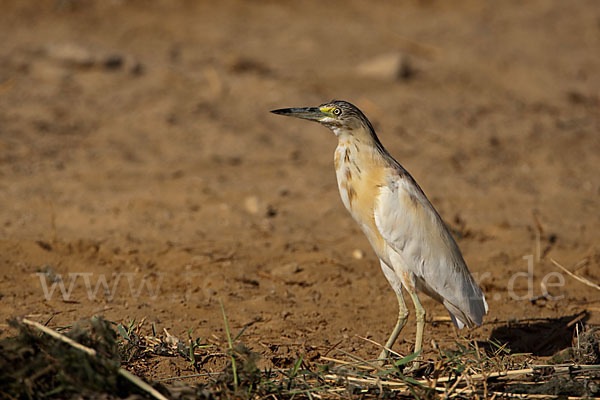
x,y
414,230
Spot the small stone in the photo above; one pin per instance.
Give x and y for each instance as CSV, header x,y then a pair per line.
x,y
271,211
252,204
358,254
287,270
390,67
113,62
70,54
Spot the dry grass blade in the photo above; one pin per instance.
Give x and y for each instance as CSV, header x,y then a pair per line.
x,y
562,369
230,343
141,384
368,381
362,361
506,374
126,374
59,336
356,364
380,345
524,396
577,277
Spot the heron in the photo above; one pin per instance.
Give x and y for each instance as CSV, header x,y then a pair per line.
x,y
415,247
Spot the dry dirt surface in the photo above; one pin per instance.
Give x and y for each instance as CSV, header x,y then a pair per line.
x,y
137,150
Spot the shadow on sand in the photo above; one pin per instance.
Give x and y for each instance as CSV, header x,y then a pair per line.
x,y
540,337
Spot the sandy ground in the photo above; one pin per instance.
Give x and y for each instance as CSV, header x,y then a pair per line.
x,y
136,148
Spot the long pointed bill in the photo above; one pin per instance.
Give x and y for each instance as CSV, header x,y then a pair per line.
x,y
310,113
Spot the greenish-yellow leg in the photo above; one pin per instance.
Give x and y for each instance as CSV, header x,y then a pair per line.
x,y
402,317
420,315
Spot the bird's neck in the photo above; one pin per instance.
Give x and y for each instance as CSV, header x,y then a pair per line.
x,y
360,170
362,138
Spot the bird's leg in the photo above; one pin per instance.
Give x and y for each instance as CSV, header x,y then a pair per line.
x,y
420,315
402,317
396,284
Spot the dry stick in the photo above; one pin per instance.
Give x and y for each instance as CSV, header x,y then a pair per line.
x,y
392,384
396,385
126,374
358,359
485,386
356,364
332,347
580,264
507,374
470,380
370,381
380,345
578,318
579,278
525,396
451,389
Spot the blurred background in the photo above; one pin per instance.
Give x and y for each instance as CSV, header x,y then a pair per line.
x,y
135,138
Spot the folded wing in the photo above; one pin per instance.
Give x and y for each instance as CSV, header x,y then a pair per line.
x,y
414,230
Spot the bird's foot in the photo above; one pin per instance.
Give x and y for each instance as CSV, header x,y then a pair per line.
x,y
382,360
411,367
407,365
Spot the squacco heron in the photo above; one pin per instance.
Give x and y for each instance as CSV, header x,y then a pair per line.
x,y
415,249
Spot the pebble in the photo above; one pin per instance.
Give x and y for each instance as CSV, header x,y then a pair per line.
x,y
358,254
391,67
70,54
252,204
286,270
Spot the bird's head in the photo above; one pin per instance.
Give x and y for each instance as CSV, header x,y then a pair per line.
x,y
337,115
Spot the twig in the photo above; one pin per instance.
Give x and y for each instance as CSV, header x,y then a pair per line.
x,y
451,389
332,347
380,345
356,364
395,384
578,318
60,337
91,352
558,369
525,396
441,318
358,359
369,381
579,278
580,264
141,384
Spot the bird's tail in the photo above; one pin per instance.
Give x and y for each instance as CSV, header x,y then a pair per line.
x,y
471,314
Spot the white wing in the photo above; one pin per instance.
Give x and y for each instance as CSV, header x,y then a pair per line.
x,y
413,229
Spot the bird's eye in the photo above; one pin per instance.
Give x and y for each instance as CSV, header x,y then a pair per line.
x,y
337,111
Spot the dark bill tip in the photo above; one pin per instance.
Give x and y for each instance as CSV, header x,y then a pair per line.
x,y
312,113
282,111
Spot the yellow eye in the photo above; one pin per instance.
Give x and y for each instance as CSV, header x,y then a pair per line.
x,y
336,111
